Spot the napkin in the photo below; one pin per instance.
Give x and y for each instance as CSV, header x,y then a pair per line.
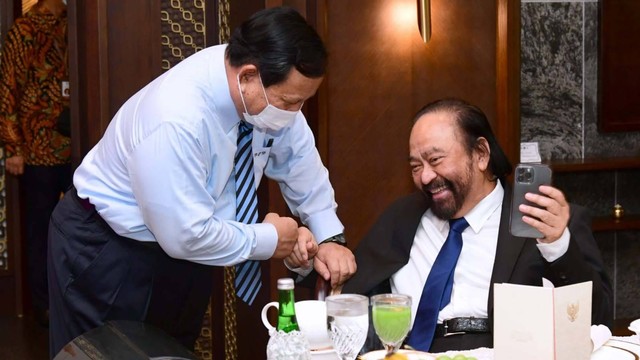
x,y
600,334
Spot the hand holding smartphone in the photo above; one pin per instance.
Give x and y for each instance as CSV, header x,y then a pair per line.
x,y
527,179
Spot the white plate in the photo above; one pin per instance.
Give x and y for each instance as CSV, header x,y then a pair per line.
x,y
617,350
611,353
328,354
412,355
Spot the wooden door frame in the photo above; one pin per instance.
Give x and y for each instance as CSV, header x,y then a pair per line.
x,y
507,129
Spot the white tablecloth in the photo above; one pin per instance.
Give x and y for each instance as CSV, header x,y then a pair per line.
x,y
487,353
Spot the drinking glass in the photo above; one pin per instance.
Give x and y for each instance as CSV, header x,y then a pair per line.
x,y
391,319
348,323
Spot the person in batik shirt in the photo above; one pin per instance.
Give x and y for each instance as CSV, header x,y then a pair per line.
x,y
34,100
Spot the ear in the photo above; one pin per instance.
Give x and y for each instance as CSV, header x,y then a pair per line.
x,y
248,72
483,153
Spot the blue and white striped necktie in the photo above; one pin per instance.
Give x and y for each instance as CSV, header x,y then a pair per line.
x,y
248,273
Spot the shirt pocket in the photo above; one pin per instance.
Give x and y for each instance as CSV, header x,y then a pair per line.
x,y
260,158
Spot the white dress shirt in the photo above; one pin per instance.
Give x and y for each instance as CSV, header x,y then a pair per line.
x,y
164,169
472,275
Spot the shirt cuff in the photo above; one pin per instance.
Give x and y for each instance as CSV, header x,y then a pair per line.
x,y
300,270
266,241
324,225
553,251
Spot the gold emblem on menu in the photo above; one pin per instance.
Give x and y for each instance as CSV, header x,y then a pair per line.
x,y
572,311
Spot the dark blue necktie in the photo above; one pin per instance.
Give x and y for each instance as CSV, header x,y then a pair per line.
x,y
436,293
248,273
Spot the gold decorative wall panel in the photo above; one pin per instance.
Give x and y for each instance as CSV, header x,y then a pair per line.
x,y
224,30
183,30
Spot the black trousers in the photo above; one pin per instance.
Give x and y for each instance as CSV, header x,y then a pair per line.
x,y
41,188
96,275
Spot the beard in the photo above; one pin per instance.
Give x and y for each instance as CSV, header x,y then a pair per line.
x,y
459,187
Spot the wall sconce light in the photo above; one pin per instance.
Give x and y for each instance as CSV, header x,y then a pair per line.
x,y
424,19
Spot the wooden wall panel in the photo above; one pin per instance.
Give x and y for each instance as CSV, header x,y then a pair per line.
x,y
619,66
134,48
89,112
115,51
369,90
460,59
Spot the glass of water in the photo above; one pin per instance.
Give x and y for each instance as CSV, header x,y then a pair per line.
x,y
348,323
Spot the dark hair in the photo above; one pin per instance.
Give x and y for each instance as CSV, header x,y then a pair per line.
x,y
275,40
473,124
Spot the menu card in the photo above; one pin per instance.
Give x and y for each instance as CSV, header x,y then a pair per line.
x,y
532,322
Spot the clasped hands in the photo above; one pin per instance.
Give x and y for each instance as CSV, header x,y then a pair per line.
x,y
298,246
552,218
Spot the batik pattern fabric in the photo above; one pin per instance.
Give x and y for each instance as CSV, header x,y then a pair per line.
x,y
32,68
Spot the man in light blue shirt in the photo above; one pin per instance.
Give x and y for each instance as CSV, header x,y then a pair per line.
x,y
158,190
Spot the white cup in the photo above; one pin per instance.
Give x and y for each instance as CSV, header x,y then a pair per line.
x,y
312,319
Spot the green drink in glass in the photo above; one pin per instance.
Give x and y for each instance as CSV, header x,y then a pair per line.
x,y
391,319
391,322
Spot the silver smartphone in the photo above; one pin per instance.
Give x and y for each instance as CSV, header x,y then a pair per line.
x,y
527,179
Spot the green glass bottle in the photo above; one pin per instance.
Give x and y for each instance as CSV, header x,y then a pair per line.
x,y
287,321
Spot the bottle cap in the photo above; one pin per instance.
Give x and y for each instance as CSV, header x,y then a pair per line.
x,y
285,284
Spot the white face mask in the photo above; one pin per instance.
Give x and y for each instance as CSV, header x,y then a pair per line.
x,y
270,117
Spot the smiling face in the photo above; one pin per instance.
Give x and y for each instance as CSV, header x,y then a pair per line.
x,y
451,177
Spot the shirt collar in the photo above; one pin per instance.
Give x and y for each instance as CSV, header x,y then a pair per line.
x,y
479,215
222,100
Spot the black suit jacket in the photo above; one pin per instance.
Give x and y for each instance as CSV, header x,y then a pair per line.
x,y
385,249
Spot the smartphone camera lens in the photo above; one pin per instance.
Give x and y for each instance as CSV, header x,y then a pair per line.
x,y
525,175
529,175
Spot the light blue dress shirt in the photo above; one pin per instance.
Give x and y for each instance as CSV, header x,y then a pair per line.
x,y
163,170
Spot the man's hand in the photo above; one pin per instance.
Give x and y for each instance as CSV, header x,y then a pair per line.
x,y
15,165
305,249
287,229
554,216
334,262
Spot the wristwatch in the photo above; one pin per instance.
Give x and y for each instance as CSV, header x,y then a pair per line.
x,y
339,239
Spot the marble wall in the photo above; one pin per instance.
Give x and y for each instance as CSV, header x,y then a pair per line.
x,y
559,100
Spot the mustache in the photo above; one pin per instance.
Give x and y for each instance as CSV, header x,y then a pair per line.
x,y
435,184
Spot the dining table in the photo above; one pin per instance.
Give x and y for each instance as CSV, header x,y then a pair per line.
x,y
615,348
